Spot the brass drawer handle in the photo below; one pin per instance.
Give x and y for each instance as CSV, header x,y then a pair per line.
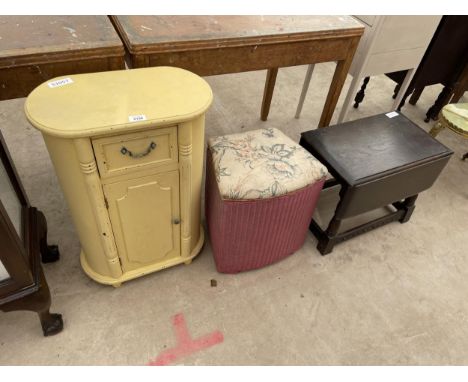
x,y
125,151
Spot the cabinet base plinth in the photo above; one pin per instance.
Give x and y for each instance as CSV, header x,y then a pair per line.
x,y
116,282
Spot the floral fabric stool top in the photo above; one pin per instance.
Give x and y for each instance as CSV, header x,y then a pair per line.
x,y
261,192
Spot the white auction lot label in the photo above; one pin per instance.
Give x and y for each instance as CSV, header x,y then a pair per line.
x,y
392,114
62,82
136,118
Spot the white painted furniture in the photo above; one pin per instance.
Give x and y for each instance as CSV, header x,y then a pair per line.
x,y
389,44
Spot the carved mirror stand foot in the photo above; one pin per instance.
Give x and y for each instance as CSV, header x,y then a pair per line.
x,y
38,298
49,253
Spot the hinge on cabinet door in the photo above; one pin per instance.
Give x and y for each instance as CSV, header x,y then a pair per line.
x,y
106,202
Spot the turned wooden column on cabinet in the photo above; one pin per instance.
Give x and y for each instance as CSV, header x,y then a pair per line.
x,y
127,147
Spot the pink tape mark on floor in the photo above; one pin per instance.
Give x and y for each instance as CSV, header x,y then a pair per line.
x,y
185,344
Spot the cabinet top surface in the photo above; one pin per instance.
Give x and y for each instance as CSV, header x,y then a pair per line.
x,y
110,102
169,32
43,36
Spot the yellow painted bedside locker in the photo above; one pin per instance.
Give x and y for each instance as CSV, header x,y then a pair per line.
x,y
127,147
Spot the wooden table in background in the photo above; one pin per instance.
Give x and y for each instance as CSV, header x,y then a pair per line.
x,y
37,48
210,45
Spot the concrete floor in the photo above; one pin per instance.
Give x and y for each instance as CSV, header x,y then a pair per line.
x,y
396,295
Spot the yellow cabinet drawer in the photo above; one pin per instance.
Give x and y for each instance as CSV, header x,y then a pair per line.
x,y
120,154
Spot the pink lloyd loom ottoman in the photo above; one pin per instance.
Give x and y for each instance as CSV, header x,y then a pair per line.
x,y
261,192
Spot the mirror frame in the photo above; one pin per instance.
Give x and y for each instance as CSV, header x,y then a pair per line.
x,y
14,252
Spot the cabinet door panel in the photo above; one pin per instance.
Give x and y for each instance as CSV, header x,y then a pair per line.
x,y
142,213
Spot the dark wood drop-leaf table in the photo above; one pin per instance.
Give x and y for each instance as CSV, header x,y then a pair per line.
x,y
380,161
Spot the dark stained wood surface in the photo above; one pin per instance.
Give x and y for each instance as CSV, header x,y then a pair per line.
x,y
37,48
373,147
210,45
33,39
171,33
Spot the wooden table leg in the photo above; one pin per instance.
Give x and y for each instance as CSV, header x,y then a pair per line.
x,y
442,100
416,94
461,86
268,92
328,240
347,101
337,83
404,86
409,206
361,93
458,93
305,88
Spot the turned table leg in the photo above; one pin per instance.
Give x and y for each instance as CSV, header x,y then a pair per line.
x,y
361,93
328,240
326,244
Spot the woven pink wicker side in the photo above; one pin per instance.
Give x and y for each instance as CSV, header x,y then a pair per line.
x,y
250,234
